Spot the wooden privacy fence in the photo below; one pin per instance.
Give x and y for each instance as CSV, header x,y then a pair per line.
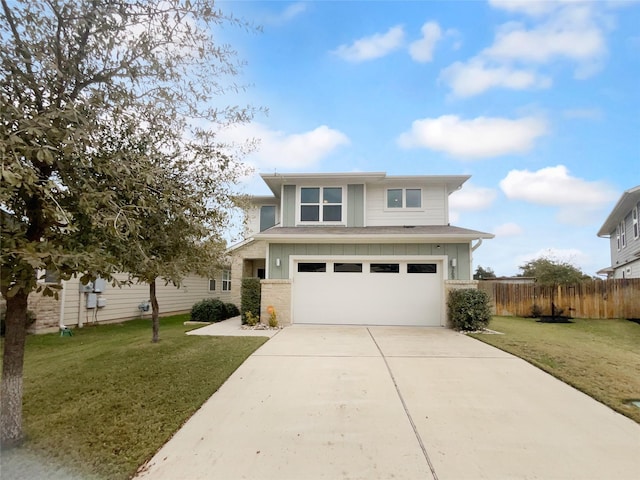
x,y
618,298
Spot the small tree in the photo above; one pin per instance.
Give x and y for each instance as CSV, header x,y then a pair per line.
x,y
483,274
76,75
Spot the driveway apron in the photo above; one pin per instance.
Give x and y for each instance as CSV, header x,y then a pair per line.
x,y
327,402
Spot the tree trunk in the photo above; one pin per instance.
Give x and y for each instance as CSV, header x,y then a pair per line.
x,y
155,311
12,367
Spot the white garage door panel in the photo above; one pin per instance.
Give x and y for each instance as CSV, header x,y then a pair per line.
x,y
368,298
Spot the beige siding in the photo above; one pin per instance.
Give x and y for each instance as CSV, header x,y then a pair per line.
x,y
433,211
122,302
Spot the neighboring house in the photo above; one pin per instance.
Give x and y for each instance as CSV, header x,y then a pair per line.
x,y
356,248
79,305
623,231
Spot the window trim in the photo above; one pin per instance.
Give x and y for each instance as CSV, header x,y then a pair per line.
x,y
634,222
403,208
618,237
321,204
623,233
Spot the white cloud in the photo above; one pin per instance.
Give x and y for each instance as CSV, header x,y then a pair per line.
x,y
580,202
480,137
508,230
292,11
375,46
472,198
571,33
422,50
567,31
475,77
277,149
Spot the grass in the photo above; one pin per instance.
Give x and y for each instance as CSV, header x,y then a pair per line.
x,y
599,357
102,402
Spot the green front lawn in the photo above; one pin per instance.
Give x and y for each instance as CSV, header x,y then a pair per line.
x,y
599,357
102,402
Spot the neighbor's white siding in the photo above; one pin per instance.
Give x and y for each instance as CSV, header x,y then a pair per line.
x,y
122,303
433,211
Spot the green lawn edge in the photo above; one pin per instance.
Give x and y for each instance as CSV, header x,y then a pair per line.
x,y
101,403
599,357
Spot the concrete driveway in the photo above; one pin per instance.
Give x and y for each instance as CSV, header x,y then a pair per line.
x,y
326,402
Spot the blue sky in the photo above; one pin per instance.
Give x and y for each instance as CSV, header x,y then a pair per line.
x,y
538,101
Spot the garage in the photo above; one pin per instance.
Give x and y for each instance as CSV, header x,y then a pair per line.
x,y
359,291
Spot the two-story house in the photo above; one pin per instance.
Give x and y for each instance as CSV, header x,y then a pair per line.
x,y
623,231
356,248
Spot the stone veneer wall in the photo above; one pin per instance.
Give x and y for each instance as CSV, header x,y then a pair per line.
x,y
46,311
255,249
455,285
276,293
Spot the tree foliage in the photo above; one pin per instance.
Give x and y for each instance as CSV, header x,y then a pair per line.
x,y
547,271
483,273
108,141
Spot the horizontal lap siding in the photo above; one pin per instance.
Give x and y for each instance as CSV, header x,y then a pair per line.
x,y
433,212
122,302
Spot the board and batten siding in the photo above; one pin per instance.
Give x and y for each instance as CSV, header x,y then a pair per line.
x,y
282,251
355,205
289,206
122,302
433,211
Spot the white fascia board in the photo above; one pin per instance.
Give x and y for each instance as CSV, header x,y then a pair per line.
x,y
371,238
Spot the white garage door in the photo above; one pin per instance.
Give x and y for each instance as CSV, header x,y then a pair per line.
x,y
371,292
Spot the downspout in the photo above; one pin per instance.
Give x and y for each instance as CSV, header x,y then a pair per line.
x,y
473,249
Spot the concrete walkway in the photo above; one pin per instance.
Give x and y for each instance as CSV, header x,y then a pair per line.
x,y
396,403
231,328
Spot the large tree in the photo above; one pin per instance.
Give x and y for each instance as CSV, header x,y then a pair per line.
x,y
548,271
80,80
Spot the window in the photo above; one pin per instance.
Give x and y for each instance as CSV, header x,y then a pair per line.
x,y
385,268
312,267
321,204
226,280
347,267
51,276
422,268
212,285
634,219
618,237
623,234
267,217
404,198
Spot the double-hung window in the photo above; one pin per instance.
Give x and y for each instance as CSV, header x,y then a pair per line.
x,y
404,198
623,233
321,204
226,280
634,219
618,236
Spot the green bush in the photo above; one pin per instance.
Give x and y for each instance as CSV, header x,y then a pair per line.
x,y
469,309
209,310
250,298
232,310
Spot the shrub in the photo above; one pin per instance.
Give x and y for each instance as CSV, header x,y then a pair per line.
x,y
232,310
273,316
469,309
209,310
250,298
536,311
250,319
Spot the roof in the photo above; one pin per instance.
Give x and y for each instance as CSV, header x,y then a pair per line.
x,y
399,234
627,201
275,180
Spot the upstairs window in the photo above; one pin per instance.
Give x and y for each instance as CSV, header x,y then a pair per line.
x,y
321,204
618,237
623,234
404,198
634,219
267,217
212,285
